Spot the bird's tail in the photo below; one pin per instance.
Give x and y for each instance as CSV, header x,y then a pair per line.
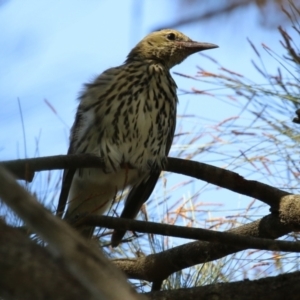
x,y
135,199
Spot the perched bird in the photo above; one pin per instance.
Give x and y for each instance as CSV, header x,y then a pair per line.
x,y
127,116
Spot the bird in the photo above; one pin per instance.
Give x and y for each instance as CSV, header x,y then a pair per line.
x,y
127,116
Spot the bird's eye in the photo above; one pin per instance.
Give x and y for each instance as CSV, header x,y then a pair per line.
x,y
171,36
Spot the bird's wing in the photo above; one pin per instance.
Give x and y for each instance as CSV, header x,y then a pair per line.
x,y
140,193
135,199
97,88
68,173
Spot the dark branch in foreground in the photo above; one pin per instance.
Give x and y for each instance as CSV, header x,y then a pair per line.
x,y
214,175
83,261
22,260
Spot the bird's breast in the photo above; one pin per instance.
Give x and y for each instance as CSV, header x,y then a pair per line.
x,y
134,120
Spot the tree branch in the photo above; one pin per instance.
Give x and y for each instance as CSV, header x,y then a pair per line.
x,y
287,206
191,233
190,254
218,176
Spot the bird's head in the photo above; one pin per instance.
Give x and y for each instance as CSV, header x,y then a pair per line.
x,y
169,47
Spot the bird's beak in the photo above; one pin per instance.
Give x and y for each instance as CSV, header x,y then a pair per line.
x,y
194,47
